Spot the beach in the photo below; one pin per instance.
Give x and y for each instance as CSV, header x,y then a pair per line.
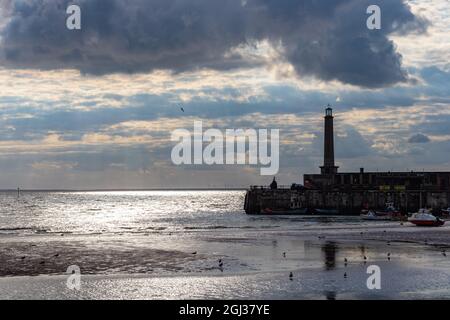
x,y
146,251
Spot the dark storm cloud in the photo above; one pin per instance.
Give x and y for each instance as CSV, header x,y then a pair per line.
x,y
327,39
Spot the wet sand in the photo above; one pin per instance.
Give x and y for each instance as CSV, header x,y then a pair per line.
x,y
41,255
131,265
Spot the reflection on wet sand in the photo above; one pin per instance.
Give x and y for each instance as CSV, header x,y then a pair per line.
x,y
329,249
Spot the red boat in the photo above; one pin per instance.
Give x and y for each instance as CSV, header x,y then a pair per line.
x,y
424,218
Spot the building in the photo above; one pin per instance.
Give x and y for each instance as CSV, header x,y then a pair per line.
x,y
347,193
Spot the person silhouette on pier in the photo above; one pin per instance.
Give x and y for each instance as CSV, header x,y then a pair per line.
x,y
274,184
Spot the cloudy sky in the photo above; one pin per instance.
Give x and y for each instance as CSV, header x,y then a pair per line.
x,y
95,108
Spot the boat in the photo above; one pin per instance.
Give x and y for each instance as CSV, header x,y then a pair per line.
x,y
372,215
445,212
326,211
389,213
424,218
390,210
280,212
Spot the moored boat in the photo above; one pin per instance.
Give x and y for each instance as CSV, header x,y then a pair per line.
x,y
424,218
326,211
280,212
389,213
372,215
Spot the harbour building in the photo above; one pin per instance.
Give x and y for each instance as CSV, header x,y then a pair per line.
x,y
334,192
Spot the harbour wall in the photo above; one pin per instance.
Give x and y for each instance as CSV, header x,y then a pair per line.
x,y
346,202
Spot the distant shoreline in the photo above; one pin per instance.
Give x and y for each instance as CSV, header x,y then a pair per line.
x,y
124,190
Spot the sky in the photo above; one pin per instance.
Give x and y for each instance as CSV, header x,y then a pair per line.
x,y
95,108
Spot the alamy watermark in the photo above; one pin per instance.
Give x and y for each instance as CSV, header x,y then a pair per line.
x,y
374,280
73,21
228,147
374,20
74,279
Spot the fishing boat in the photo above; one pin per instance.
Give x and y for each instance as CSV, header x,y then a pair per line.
x,y
389,213
390,210
280,212
326,211
424,218
372,215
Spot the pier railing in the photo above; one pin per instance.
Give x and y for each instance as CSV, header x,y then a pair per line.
x,y
282,187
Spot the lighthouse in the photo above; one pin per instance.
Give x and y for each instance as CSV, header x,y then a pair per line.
x,y
328,150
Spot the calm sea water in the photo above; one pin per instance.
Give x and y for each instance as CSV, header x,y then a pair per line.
x,y
136,212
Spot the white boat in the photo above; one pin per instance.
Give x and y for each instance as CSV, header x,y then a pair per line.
x,y
424,218
372,215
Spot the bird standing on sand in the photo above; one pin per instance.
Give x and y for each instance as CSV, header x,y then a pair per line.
x,y
291,276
